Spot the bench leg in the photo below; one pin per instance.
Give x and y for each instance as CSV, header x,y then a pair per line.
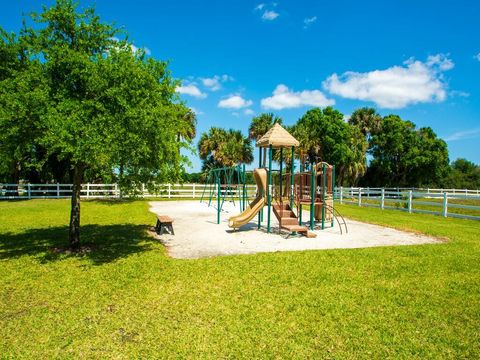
x,y
162,229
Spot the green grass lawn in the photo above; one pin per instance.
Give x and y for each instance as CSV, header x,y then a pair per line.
x,y
128,299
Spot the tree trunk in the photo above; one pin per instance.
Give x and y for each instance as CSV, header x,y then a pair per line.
x,y
74,234
120,180
15,179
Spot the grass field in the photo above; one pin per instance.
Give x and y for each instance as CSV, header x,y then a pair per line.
x,y
128,299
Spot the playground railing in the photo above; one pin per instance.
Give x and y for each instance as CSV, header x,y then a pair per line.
x,y
459,203
99,191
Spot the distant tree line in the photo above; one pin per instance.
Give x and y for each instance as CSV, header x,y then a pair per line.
x,y
368,149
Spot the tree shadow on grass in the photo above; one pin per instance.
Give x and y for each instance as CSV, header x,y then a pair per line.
x,y
103,243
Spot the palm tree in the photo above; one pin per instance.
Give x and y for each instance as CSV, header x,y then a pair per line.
x,y
220,147
310,147
187,122
367,120
357,164
260,125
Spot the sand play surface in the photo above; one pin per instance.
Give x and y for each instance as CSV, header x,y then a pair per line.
x,y
198,235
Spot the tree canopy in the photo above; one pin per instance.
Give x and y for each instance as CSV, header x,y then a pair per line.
x,y
325,136
220,148
73,92
406,156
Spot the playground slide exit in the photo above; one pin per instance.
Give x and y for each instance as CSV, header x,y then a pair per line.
x,y
256,205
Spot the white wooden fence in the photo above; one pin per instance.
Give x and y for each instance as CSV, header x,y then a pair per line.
x,y
444,202
459,203
98,191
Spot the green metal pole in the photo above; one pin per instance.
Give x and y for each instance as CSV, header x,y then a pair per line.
x,y
269,187
312,198
281,175
324,200
212,188
244,187
260,213
333,191
218,200
207,182
239,189
292,178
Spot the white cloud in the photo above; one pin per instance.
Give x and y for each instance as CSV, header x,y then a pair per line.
x,y
441,61
466,134
270,15
477,56
234,102
397,86
284,98
215,83
191,90
249,112
309,21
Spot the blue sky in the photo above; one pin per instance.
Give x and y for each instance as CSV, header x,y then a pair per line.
x,y
418,59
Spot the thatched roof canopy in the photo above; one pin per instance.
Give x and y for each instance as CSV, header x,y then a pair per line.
x,y
278,137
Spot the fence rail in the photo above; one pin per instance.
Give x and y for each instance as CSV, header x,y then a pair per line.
x,y
98,191
459,203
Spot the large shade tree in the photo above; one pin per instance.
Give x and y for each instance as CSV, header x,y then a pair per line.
x,y
325,136
406,156
103,106
23,92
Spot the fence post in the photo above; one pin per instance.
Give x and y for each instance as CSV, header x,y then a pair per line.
x,y
382,200
410,201
169,190
445,205
88,191
58,190
194,190
368,192
341,194
29,194
359,196
115,190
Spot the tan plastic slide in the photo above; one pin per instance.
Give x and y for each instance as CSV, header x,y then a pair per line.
x,y
256,205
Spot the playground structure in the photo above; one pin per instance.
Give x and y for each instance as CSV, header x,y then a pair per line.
x,y
224,183
279,190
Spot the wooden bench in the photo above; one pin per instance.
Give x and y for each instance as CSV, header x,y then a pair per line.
x,y
164,223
